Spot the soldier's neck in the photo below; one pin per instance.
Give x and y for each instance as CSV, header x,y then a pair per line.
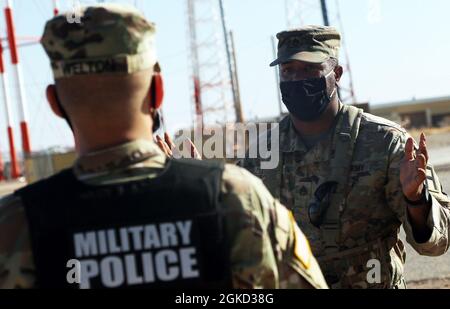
x,y
321,125
98,142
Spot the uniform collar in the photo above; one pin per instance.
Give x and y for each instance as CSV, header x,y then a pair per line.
x,y
290,140
137,153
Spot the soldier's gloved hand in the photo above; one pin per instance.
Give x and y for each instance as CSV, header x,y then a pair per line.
x,y
169,148
413,169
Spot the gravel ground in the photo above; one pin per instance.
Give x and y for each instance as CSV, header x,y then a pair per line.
x,y
430,284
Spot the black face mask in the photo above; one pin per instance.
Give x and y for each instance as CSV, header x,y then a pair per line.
x,y
306,99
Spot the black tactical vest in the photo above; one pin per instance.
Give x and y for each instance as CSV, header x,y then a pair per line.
x,y
166,232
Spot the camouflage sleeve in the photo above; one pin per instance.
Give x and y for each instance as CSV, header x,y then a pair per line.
x,y
251,165
16,261
439,216
266,165
296,261
263,238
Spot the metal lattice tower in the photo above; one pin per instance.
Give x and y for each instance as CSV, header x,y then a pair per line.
x,y
304,12
211,84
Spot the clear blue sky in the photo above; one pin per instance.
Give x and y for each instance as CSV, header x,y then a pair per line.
x,y
398,54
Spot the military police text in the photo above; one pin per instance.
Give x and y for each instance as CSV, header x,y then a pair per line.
x,y
156,252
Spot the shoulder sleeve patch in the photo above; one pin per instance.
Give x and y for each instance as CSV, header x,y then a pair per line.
x,y
302,249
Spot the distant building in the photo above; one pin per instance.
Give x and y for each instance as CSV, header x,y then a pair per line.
x,y
433,112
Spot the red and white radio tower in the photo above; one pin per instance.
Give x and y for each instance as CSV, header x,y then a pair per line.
x,y
15,173
215,93
2,169
55,7
26,146
20,95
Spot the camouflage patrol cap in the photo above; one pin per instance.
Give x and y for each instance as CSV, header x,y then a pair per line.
x,y
99,39
314,44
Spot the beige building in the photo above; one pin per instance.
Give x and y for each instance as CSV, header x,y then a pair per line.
x,y
433,112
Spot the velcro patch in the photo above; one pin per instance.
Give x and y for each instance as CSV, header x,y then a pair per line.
x,y
302,249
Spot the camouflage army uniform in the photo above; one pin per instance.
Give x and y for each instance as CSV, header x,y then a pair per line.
x,y
259,258
267,248
375,207
357,243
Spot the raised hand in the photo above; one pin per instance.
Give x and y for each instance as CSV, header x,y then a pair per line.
x,y
413,169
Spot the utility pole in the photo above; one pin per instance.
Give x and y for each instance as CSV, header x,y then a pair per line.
x,y
235,79
323,5
277,75
231,67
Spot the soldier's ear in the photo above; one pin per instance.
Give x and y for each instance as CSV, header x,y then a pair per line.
x,y
53,101
338,70
156,88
